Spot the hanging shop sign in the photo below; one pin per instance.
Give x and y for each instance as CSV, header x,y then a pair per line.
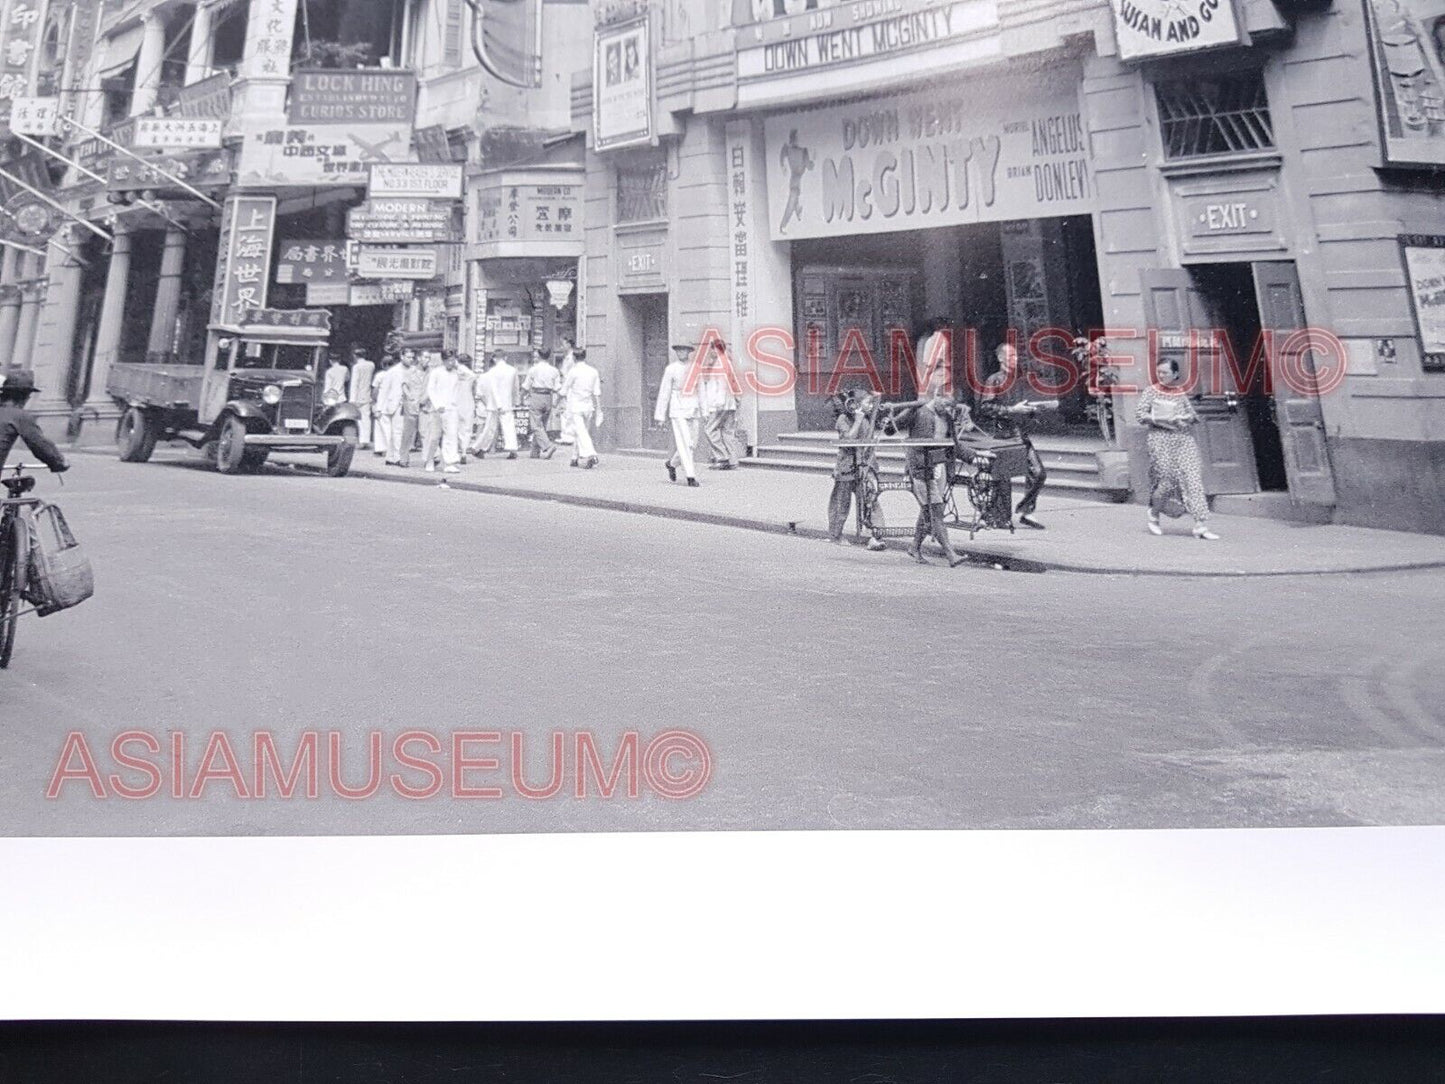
x,y
415,180
270,28
311,261
1425,268
245,258
28,219
367,96
401,221
433,144
199,169
401,290
530,213
304,319
34,116
317,155
373,262
328,293
1003,150
208,97
1152,28
19,38
176,133
621,86
1407,43
374,293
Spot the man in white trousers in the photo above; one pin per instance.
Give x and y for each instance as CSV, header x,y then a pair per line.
x,y
581,396
466,404
503,377
390,391
363,371
441,401
679,406
719,408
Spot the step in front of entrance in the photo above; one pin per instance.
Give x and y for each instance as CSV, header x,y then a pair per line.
x,y
1071,462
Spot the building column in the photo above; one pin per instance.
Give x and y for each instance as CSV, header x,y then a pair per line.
x,y
9,306
112,317
168,297
54,352
148,65
198,60
32,292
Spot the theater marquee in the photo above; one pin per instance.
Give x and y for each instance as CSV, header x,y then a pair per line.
x,y
1150,28
999,152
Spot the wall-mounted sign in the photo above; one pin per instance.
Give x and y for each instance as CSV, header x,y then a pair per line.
x,y
245,258
19,37
270,28
432,144
851,33
641,261
328,293
741,198
530,213
319,154
415,180
170,133
208,97
1407,43
1150,28
621,86
308,319
373,262
34,116
311,261
365,96
1002,150
1230,214
401,221
403,290
373,293
1425,268
199,169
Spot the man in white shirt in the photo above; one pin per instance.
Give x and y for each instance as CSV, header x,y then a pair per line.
x,y
466,404
363,372
503,380
390,391
333,385
581,396
541,384
569,359
680,407
441,403
933,364
719,408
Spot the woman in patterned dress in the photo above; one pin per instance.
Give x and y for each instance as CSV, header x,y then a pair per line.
x,y
1176,473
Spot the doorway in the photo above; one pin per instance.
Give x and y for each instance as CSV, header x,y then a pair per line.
x,y
646,317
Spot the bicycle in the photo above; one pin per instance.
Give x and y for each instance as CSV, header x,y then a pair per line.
x,y
14,552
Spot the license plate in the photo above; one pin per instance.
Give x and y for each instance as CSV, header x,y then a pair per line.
x,y
297,423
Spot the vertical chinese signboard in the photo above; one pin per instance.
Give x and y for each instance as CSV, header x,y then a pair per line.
x,y
245,258
269,29
740,219
19,36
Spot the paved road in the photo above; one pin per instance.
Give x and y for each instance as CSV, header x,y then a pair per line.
x,y
834,688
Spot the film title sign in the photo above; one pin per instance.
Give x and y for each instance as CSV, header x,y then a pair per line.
x,y
352,97
848,33
311,261
1150,28
1003,151
400,220
415,180
245,260
1425,267
621,86
170,133
319,154
396,263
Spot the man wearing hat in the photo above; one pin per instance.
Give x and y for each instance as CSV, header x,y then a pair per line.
x,y
17,423
677,403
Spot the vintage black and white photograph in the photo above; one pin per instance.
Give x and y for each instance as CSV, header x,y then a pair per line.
x,y
511,417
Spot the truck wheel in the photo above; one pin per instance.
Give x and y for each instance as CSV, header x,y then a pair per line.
x,y
338,456
135,436
254,459
231,446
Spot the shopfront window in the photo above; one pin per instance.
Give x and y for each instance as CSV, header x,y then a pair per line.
x,y
1210,116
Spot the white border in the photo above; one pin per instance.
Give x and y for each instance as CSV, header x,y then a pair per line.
x,y
725,926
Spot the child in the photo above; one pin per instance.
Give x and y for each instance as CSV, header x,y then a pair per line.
x,y
854,422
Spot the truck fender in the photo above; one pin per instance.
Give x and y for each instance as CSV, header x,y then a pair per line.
x,y
250,414
334,417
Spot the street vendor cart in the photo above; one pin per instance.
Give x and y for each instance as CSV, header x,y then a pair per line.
x,y
262,394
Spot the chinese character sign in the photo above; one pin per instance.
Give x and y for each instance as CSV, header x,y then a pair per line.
x,y
244,266
270,28
34,116
19,36
545,218
740,221
168,133
310,262
319,154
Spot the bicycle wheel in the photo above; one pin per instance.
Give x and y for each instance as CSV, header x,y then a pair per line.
x,y
10,557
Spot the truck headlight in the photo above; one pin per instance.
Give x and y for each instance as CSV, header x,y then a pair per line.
x,y
271,395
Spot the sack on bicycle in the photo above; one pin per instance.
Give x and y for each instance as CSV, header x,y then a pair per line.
x,y
59,574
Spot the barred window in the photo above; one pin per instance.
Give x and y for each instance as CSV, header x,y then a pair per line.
x,y
642,189
1224,115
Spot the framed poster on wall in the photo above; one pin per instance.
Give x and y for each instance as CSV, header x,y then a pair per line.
x,y
1407,47
1425,270
621,86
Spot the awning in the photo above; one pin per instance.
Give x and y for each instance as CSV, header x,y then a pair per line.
x,y
119,50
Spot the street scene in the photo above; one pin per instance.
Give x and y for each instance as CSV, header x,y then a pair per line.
x,y
528,416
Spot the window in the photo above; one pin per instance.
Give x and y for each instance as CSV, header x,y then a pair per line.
x,y
228,36
642,190
1224,115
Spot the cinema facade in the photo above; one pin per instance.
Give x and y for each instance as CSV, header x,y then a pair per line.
x,y
819,182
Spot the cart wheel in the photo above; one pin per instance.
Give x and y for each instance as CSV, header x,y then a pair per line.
x,y
135,436
231,446
12,563
338,456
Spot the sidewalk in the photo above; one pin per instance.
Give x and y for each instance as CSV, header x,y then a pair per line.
x,y
1082,535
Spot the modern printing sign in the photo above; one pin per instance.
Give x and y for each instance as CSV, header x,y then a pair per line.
x,y
1150,28
998,152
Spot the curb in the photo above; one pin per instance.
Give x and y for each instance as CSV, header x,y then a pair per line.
x,y
974,554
